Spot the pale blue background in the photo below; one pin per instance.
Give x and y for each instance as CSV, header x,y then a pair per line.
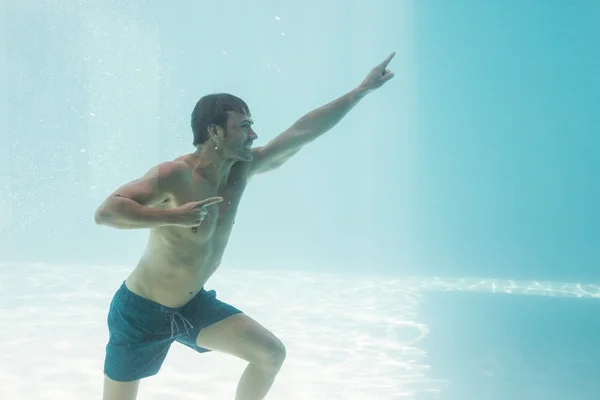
x,y
478,159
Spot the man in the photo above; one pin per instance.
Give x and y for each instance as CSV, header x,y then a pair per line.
x,y
189,204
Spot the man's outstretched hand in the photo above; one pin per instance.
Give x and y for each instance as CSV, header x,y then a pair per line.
x,y
378,76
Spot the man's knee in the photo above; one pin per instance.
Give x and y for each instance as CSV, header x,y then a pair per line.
x,y
273,355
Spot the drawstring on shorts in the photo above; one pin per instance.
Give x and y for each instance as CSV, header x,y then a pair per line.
x,y
175,331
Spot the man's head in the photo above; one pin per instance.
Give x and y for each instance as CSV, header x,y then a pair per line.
x,y
225,121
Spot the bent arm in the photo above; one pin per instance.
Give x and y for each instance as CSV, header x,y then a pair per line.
x,y
123,213
305,130
130,206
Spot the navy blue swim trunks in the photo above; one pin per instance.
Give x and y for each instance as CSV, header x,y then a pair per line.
x,y
141,331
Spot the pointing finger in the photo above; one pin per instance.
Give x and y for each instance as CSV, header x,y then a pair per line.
x,y
385,62
208,202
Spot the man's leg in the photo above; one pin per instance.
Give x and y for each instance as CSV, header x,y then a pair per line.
x,y
243,337
139,340
114,390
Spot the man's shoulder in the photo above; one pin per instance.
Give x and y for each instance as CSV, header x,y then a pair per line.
x,y
174,171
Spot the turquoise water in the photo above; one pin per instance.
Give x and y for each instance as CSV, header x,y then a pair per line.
x,y
442,239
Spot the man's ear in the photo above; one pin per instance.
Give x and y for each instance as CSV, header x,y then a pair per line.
x,y
213,131
216,133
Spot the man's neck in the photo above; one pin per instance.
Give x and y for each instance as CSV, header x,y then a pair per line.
x,y
212,164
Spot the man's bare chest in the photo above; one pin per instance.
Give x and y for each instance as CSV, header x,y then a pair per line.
x,y
221,216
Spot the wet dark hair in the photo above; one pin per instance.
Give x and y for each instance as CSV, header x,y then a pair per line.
x,y
212,109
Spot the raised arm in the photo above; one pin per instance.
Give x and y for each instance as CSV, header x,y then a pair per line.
x,y
316,123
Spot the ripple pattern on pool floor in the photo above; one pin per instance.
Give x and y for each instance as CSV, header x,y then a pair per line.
x,y
347,337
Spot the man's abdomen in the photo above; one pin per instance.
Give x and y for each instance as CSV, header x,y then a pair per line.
x,y
171,276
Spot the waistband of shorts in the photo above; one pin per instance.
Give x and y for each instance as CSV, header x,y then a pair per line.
x,y
126,294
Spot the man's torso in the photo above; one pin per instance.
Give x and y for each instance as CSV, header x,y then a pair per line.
x,y
178,261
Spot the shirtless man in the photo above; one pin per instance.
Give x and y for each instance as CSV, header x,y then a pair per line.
x,y
189,204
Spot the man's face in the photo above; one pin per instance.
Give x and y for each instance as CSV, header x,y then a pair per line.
x,y
239,136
